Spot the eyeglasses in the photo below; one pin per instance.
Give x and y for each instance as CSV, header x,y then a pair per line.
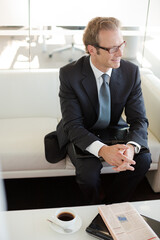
x,y
114,49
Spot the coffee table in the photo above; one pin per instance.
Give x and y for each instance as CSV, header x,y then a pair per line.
x,y
32,224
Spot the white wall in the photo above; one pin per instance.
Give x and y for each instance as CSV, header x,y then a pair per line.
x,y
78,13
71,12
13,12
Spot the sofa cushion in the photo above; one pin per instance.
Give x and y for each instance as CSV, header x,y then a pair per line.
x,y
22,144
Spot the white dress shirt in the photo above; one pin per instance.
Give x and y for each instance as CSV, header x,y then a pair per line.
x,y
94,147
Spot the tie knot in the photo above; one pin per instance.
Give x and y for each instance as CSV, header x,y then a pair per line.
x,y
105,78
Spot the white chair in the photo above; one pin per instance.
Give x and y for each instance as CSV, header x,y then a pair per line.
x,y
69,35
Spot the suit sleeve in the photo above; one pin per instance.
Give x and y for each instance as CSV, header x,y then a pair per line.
x,y
136,114
72,115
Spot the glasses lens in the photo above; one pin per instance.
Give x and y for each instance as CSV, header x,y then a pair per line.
x,y
115,49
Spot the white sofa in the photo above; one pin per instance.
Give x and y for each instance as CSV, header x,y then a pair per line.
x,y
30,109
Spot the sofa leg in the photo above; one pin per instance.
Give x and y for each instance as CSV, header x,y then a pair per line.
x,y
154,178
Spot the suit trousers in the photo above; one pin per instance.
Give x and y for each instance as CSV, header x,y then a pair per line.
x,y
123,186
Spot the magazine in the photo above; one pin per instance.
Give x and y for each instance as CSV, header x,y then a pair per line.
x,y
124,222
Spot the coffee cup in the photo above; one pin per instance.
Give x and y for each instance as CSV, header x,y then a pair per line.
x,y
65,217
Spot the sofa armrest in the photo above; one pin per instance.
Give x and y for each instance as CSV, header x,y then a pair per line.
x,y
151,93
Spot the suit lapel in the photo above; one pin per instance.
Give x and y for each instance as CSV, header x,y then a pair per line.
x,y
89,84
115,82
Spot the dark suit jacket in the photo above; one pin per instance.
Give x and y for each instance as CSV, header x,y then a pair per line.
x,y
80,107
79,103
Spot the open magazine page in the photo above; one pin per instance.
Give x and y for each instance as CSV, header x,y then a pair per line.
x,y
125,223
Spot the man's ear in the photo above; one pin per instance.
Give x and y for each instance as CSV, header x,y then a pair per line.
x,y
91,49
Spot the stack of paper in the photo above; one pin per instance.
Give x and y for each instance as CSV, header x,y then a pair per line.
x,y
125,223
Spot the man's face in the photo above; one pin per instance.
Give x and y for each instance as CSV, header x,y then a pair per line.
x,y
102,59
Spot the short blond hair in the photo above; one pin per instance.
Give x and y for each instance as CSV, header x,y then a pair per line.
x,y
91,32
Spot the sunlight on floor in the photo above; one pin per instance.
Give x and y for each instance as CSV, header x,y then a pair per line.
x,y
16,54
7,56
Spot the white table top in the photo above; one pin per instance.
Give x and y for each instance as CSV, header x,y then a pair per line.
x,y
32,224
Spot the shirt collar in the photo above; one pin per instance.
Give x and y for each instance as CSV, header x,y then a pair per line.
x,y
97,72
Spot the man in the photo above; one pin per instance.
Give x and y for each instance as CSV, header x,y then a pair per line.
x,y
80,86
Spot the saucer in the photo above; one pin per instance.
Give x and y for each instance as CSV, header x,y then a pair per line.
x,y
78,225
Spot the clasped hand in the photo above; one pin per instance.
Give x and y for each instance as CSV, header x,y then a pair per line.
x,y
120,156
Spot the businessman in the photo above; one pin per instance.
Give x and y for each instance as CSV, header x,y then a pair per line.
x,y
94,91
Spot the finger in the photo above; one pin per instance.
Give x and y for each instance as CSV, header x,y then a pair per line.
x,y
117,162
122,146
123,168
124,165
115,169
128,160
118,170
130,168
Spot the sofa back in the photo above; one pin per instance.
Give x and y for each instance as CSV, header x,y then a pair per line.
x,y
151,93
29,93
34,93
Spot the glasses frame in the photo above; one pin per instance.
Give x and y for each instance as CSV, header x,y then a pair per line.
x,y
110,50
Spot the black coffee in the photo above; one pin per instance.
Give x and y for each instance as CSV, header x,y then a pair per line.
x,y
65,216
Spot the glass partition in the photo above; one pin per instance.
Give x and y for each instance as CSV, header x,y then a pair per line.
x,y
61,27
151,53
48,34
14,34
